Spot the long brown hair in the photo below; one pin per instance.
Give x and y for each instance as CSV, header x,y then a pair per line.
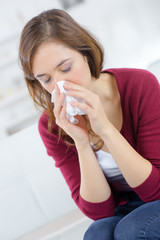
x,y
56,25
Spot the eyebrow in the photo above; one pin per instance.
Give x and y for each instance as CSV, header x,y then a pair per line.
x,y
59,64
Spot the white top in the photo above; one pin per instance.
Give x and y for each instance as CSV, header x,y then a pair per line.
x,y
111,170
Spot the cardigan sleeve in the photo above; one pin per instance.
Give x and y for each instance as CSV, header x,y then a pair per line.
x,y
66,159
148,135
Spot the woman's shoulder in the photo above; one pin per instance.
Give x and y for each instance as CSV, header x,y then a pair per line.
x,y
130,72
43,122
134,78
43,126
127,70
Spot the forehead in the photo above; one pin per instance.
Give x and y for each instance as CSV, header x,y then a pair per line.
x,y
50,53
50,48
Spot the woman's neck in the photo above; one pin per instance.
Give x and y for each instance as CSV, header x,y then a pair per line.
x,y
105,87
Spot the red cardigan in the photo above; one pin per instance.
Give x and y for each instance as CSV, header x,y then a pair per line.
x,y
140,100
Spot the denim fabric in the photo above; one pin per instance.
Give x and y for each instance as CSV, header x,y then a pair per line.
x,y
135,220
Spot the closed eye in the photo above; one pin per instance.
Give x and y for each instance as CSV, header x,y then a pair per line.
x,y
66,70
47,81
66,67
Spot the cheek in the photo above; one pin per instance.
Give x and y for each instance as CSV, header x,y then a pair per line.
x,y
81,76
78,76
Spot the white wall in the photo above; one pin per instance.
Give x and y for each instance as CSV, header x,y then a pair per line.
x,y
129,30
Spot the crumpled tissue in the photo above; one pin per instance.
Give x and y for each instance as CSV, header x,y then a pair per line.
x,y
71,111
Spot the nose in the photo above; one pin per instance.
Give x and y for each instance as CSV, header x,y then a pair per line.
x,y
51,87
54,81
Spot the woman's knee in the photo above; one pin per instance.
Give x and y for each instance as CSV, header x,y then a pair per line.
x,y
91,232
141,223
125,228
101,229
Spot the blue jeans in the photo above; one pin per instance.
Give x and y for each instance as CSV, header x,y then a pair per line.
x,y
134,220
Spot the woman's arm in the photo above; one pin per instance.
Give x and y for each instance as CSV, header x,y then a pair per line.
x,y
140,166
66,159
132,165
94,186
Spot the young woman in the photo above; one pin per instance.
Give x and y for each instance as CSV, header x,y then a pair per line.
x,y
111,158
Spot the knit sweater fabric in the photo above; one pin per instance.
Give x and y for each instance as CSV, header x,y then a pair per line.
x,y
140,101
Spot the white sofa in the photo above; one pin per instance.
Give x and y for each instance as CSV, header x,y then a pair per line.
x,y
35,202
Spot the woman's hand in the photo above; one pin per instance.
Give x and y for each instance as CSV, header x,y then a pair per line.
x,y
78,132
92,107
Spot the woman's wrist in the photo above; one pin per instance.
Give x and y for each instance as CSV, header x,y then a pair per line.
x,y
107,131
82,145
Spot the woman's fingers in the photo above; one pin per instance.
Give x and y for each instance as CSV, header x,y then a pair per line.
x,y
83,106
59,109
83,93
57,91
58,101
73,86
90,106
89,98
65,124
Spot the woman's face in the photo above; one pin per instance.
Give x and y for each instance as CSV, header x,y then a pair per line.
x,y
55,62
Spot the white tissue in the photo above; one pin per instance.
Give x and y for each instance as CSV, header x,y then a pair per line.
x,y
70,110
